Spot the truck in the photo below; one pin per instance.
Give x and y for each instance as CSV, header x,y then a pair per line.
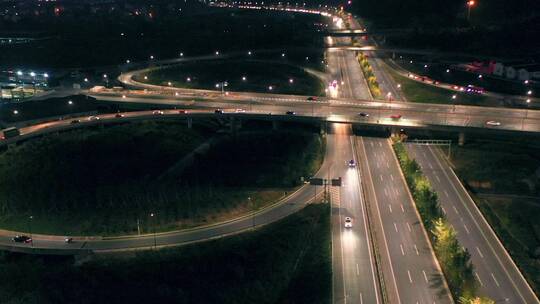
x,y
11,132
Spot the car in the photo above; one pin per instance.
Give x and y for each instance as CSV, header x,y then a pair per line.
x,y
218,111
312,98
240,111
93,118
493,123
348,222
68,240
352,163
22,239
362,114
291,113
182,112
75,121
118,115
395,116
158,112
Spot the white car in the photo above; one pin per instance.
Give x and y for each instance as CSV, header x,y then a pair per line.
x,y
493,123
240,111
157,112
91,118
348,222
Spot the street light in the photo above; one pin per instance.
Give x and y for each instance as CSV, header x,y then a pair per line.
x,y
30,229
152,216
399,86
217,53
181,54
291,80
70,102
529,92
244,78
470,4
270,88
249,53
252,212
15,112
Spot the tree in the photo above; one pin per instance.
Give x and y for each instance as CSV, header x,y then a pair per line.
x,y
476,300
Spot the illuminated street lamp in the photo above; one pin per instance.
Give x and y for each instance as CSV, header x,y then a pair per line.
x,y
291,81
249,53
470,4
529,92
70,102
169,83
217,53
270,88
152,215
181,54
151,57
399,86
244,78
188,79
30,218
15,112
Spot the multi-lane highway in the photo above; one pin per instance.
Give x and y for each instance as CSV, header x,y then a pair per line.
x,y
412,273
497,274
354,272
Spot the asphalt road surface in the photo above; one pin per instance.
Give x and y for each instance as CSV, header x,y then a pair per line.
x,y
498,276
354,274
411,271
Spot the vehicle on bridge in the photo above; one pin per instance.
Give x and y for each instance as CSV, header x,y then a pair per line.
x,y
493,123
395,116
351,163
291,113
22,239
11,132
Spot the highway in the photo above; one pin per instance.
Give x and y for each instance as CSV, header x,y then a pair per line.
x,y
497,274
354,275
412,273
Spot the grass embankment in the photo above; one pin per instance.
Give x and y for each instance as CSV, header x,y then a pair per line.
x,y
453,258
107,181
504,184
259,77
373,84
286,262
424,93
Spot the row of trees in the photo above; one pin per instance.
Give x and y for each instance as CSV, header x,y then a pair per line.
x,y
370,77
455,260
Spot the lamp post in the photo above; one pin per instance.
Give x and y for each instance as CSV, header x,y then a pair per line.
x,y
252,212
152,215
30,229
470,4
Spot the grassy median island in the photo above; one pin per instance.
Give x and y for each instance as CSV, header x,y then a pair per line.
x,y
286,262
419,92
259,77
505,184
107,181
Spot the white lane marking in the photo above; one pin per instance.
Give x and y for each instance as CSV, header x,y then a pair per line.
x,y
409,227
416,249
446,193
380,144
390,207
409,274
455,209
361,299
380,176
395,227
387,165
479,252
357,270
466,229
437,177
377,164
371,143
402,209
430,166
424,153
494,279
478,278
425,276
443,210
392,177
401,247
385,192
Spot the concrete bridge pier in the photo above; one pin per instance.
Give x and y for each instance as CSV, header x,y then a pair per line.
x,y
461,139
323,128
275,125
235,124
